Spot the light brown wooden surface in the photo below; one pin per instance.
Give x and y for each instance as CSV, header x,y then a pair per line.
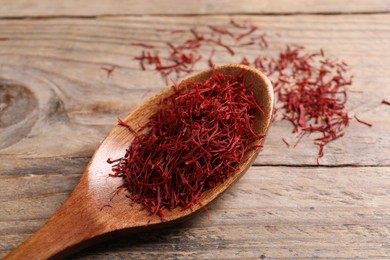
x,y
28,8
285,206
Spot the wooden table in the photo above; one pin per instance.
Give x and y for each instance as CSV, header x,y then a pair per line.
x,y
58,105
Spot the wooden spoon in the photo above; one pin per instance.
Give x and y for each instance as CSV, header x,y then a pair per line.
x,y
84,220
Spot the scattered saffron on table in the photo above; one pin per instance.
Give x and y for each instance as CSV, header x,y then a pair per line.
x,y
311,89
362,122
180,57
109,70
194,142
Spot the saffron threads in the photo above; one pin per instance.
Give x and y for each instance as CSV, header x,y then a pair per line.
x,y
178,31
221,30
362,122
285,141
194,142
240,26
386,102
263,42
246,44
249,32
122,123
179,58
211,62
311,89
109,70
149,46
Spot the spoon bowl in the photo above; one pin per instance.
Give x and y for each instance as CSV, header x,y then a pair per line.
x,y
85,218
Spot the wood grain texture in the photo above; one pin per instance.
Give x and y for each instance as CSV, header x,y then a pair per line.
x,y
60,61
301,212
27,8
60,106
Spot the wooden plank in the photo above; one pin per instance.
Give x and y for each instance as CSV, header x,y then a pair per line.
x,y
74,104
28,8
333,213
60,105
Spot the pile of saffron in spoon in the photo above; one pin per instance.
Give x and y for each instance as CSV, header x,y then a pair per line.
x,y
194,142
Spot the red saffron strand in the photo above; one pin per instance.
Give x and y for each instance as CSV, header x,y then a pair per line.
x,y
123,123
285,141
245,61
221,30
237,25
194,142
109,70
228,48
148,46
251,30
246,44
211,62
178,31
386,102
362,122
264,42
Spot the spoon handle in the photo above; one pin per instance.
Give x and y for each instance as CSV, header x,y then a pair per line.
x,y
71,225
